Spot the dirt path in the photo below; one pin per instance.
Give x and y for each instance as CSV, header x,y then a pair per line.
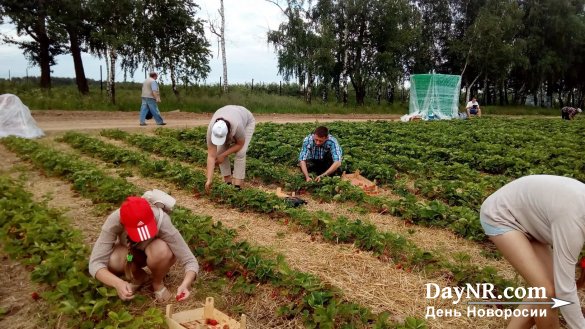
x,y
57,121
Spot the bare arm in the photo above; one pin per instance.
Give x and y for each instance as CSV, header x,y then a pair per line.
x,y
305,171
211,155
233,149
109,279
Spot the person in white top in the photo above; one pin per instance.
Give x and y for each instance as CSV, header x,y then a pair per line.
x,y
473,108
538,224
229,132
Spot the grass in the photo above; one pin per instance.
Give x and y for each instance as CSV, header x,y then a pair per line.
x,y
260,99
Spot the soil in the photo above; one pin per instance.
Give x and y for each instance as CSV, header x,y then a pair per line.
x,y
56,120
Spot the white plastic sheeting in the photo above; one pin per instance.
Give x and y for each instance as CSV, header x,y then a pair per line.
x,y
15,118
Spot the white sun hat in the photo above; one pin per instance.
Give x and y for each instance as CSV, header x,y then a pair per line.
x,y
219,132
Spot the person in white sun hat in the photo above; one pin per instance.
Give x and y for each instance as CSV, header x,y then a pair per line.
x,y
140,234
229,132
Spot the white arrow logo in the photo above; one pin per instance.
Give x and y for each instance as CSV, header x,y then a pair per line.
x,y
556,303
560,303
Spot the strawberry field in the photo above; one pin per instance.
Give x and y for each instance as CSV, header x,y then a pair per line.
x,y
344,260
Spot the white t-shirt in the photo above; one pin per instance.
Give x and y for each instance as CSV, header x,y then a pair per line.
x,y
471,103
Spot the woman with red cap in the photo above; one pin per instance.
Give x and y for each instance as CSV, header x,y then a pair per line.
x,y
140,234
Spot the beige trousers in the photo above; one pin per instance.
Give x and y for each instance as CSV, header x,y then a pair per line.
x,y
240,159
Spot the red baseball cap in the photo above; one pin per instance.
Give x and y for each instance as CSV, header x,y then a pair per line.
x,y
138,219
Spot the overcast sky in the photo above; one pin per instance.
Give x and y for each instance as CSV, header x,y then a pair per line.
x,y
248,55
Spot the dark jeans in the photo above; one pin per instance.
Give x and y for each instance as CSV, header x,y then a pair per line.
x,y
319,166
565,115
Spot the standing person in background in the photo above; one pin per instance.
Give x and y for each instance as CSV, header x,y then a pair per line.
x,y
320,154
537,222
229,132
569,113
473,108
150,96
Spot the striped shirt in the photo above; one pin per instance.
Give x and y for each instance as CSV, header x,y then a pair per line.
x,y
310,150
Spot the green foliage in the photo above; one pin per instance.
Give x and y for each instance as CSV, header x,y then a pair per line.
x,y
40,237
215,246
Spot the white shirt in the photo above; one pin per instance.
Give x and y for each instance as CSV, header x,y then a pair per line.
x,y
471,103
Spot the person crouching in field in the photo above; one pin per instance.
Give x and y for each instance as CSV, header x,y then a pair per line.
x,y
538,224
320,154
140,234
569,113
473,108
229,132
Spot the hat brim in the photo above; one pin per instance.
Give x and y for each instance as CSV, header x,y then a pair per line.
x,y
142,233
217,140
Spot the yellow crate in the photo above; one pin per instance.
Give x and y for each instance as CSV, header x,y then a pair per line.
x,y
198,318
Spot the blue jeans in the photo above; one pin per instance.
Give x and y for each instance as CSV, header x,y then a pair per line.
x,y
149,104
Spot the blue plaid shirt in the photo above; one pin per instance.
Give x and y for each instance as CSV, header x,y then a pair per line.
x,y
310,151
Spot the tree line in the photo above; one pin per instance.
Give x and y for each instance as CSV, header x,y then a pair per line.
x,y
507,52
156,34
513,51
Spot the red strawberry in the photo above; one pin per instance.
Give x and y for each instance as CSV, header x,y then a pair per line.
x,y
583,263
211,322
229,274
398,266
180,296
35,295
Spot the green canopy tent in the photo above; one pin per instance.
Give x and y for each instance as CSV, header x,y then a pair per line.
x,y
434,96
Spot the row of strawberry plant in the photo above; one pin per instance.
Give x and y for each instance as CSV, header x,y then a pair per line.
x,y
364,236
461,220
271,144
509,147
41,238
318,304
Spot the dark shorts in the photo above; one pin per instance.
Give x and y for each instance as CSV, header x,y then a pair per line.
x,y
565,115
473,111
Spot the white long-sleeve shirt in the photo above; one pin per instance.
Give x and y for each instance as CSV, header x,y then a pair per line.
x,y
551,210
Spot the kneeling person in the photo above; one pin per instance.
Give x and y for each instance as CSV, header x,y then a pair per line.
x,y
140,234
320,154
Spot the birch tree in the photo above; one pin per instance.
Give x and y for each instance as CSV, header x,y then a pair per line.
x,y
113,34
219,31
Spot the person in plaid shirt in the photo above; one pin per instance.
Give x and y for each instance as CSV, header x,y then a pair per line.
x,y
320,154
569,113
